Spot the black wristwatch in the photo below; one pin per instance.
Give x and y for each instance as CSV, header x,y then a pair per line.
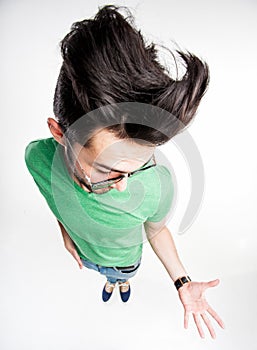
x,y
182,280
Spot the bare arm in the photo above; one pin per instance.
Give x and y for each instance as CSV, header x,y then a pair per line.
x,y
163,245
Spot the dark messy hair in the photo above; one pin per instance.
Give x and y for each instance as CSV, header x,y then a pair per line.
x,y
105,62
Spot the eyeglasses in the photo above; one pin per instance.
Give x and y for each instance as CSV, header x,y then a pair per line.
x,y
96,187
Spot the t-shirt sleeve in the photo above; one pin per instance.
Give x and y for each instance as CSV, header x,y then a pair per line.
x,y
38,162
35,163
166,195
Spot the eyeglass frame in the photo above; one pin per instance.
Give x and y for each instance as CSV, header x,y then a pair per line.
x,y
112,181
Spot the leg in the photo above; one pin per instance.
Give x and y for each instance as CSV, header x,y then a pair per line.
x,y
111,279
113,275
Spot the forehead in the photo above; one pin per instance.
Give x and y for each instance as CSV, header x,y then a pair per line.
x,y
106,147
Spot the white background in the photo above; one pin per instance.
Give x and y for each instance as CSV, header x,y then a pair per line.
x,y
46,301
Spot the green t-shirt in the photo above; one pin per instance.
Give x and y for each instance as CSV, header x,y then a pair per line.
x,y
105,228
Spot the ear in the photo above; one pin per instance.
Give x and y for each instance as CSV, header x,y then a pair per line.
x,y
56,130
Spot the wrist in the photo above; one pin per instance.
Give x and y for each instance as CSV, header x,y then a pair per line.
x,y
179,282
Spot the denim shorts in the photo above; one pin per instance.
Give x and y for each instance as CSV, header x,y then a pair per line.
x,y
113,274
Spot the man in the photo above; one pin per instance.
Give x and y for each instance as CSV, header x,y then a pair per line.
x,y
98,173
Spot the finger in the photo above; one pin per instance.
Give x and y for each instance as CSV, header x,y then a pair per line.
x,y
80,263
216,316
77,257
212,283
209,325
198,325
186,317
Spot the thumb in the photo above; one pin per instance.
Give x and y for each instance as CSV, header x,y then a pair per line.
x,y
209,284
213,283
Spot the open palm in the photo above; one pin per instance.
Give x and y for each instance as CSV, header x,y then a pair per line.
x,y
192,297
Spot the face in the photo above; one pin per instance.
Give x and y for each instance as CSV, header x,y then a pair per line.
x,y
109,157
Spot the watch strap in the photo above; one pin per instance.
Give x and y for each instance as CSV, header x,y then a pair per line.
x,y
181,280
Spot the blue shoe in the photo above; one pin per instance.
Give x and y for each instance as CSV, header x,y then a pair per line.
x,y
107,291
124,291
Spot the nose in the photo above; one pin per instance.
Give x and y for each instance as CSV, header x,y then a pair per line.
x,y
121,185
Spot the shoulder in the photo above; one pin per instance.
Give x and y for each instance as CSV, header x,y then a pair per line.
x,y
163,176
39,150
163,171
162,195
39,145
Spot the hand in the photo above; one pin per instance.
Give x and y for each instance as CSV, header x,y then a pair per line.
x,y
192,298
70,246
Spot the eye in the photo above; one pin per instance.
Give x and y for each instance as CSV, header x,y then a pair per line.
x,y
102,172
108,173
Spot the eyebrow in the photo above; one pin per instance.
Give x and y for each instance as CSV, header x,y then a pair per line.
x,y
108,168
120,171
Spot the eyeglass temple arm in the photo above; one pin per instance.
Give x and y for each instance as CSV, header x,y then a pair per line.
x,y
149,166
